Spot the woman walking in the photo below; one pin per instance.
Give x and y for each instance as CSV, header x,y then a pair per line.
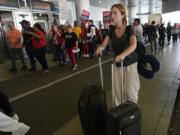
x,y
123,44
39,45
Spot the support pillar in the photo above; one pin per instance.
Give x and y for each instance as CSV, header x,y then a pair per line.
x,y
132,10
80,5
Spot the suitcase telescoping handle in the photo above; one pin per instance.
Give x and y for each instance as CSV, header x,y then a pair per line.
x,y
122,83
101,73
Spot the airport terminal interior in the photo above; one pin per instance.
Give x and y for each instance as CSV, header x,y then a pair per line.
x,y
50,56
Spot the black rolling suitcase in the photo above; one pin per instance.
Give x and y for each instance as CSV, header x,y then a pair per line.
x,y
92,108
124,119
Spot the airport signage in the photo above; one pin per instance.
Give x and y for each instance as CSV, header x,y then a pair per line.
x,y
9,3
107,17
85,16
41,5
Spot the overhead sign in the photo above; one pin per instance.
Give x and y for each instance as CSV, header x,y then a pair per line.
x,y
41,5
9,3
107,17
85,16
155,17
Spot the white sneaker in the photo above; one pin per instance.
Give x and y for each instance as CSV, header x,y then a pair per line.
x,y
87,55
74,68
22,129
84,55
67,60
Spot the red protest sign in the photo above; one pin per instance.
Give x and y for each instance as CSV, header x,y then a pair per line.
x,y
85,16
107,16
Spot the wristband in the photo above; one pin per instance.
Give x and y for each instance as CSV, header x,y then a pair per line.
x,y
101,48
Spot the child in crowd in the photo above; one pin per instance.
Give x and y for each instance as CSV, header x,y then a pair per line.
x,y
71,44
60,50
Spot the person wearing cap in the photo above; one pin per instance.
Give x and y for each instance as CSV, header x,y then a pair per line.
x,y
16,46
27,42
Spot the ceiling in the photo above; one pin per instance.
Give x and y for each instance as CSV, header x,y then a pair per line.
x,y
143,6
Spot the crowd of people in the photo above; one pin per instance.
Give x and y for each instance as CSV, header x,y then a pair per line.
x,y
73,42
87,42
158,33
67,41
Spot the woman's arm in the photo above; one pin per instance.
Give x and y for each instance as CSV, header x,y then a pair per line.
x,y
128,51
33,34
102,46
63,44
76,44
92,34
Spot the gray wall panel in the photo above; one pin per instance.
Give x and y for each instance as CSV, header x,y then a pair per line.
x,y
171,6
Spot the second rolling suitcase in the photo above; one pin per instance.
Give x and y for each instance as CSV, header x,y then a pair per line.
x,y
124,119
92,108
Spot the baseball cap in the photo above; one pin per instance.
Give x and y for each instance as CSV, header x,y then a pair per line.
x,y
24,21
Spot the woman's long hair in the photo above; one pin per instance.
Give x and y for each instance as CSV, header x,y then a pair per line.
x,y
39,27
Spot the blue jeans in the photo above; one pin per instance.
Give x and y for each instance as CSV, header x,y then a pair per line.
x,y
30,53
92,46
60,54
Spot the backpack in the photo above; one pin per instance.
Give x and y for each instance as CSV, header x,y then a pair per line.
x,y
140,48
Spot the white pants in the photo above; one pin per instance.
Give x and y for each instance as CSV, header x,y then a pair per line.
x,y
7,124
131,83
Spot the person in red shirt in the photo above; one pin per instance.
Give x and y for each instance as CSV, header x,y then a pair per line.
x,y
84,37
54,39
71,44
60,50
98,34
39,44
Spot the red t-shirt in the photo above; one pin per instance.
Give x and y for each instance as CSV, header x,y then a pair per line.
x,y
53,31
38,43
60,39
98,35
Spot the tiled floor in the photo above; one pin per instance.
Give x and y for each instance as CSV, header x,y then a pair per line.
x,y
156,97
5,74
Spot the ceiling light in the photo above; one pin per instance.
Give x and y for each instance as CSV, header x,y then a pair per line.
x,y
100,2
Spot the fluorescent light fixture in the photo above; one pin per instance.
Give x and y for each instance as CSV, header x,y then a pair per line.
x,y
100,2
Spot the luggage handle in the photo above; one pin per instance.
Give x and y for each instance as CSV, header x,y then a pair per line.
x,y
101,73
122,83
